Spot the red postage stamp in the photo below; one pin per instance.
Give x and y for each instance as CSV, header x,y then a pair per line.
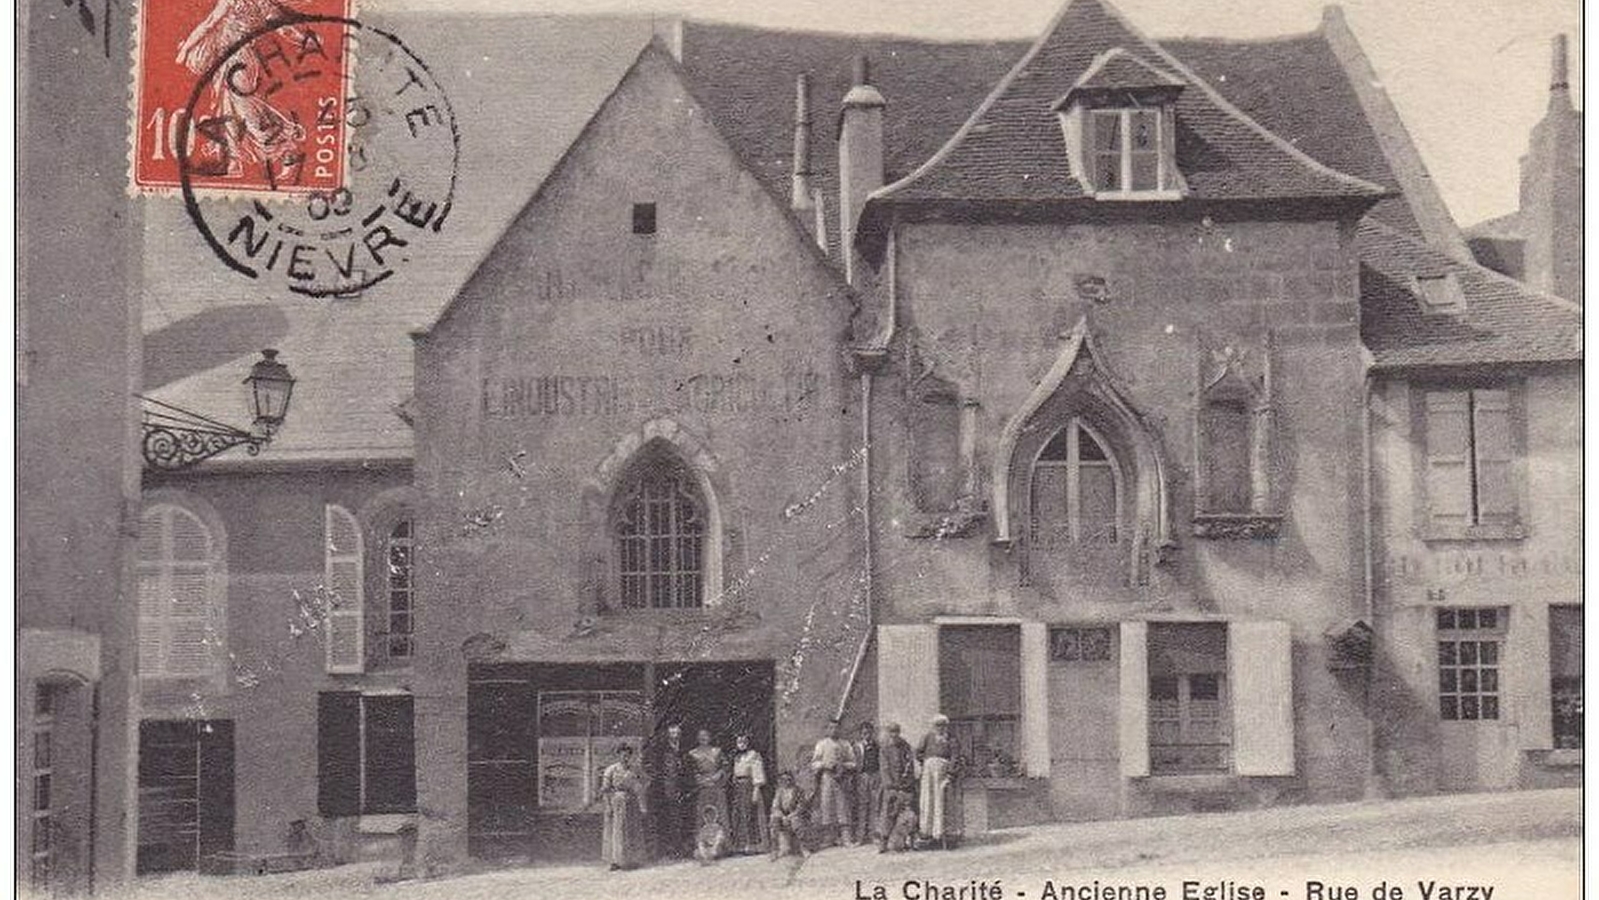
x,y
240,96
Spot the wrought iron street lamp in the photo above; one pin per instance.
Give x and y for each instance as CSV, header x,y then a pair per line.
x,y
175,438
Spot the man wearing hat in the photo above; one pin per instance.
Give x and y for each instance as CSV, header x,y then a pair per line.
x,y
896,786
831,760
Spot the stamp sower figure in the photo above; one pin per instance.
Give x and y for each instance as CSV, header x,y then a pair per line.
x,y
748,801
939,810
896,791
787,823
622,790
669,772
864,790
832,760
710,783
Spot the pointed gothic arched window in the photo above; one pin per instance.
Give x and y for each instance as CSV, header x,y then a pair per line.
x,y
659,523
1076,490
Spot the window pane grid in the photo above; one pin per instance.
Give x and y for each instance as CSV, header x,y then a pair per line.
x,y
1469,655
401,591
660,540
1075,492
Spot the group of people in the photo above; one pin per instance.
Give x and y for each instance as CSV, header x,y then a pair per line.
x,y
704,803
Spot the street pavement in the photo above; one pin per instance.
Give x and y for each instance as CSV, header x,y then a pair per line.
x,y
1505,846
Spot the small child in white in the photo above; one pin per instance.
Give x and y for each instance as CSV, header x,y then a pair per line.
x,y
711,841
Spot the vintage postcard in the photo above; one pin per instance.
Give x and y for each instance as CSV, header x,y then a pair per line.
x,y
1017,450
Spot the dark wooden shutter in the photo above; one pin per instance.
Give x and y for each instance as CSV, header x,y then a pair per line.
x,y
338,754
216,786
390,755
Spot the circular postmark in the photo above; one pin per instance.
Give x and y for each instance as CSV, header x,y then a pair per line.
x,y
350,182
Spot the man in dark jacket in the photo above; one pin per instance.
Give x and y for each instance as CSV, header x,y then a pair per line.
x,y
896,788
671,803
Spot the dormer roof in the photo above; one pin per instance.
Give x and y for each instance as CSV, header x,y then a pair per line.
x,y
1118,71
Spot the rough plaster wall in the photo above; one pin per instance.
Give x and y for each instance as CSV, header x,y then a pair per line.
x,y
742,323
1417,753
272,524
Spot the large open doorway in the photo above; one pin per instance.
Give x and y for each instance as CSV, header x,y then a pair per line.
x,y
538,737
185,792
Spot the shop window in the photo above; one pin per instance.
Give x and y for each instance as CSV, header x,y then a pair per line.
x,y
1074,644
1565,675
660,533
400,588
1189,716
579,732
1470,642
1076,491
980,689
182,579
366,754
343,590
1471,460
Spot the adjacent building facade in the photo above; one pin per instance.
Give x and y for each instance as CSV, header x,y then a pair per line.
x,y
1151,423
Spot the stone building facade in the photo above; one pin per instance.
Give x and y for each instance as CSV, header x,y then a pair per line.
x,y
756,378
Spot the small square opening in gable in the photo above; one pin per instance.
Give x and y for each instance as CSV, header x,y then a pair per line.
x,y
643,218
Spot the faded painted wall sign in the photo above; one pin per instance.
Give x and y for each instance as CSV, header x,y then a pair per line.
x,y
606,395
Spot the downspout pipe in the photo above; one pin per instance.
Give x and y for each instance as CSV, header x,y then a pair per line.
x,y
1374,788
868,359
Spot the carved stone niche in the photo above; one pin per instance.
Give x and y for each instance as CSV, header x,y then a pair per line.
x,y
1233,435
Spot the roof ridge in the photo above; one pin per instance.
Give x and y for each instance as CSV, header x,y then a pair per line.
x,y
1476,267
856,35
971,122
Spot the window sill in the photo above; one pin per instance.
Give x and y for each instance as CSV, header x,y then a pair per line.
x,y
1237,526
1138,196
384,823
960,520
1193,783
1511,532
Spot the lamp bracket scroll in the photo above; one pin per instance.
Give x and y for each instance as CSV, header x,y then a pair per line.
x,y
175,438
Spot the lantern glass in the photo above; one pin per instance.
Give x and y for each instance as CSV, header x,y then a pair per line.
x,y
270,389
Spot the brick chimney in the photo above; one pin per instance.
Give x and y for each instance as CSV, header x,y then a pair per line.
x,y
860,157
1551,190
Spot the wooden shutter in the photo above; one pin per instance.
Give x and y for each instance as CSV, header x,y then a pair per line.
x,y
1525,676
1448,457
180,621
1494,447
342,584
1260,673
1035,699
216,806
338,753
907,678
389,755
1134,721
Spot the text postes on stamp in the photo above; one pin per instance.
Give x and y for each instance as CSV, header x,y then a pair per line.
x,y
259,110
399,148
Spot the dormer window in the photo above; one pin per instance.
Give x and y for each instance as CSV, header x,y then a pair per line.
x,y
1120,125
1127,153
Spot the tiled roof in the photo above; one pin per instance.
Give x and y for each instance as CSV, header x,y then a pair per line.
x,y
1011,148
522,87
1504,321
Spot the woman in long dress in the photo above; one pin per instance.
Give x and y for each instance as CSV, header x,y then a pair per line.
x,y
710,781
940,814
748,806
622,789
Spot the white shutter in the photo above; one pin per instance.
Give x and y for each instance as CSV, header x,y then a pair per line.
x,y
907,678
1035,699
180,620
1491,441
1448,457
1524,676
1260,674
152,622
342,585
192,638
1134,713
